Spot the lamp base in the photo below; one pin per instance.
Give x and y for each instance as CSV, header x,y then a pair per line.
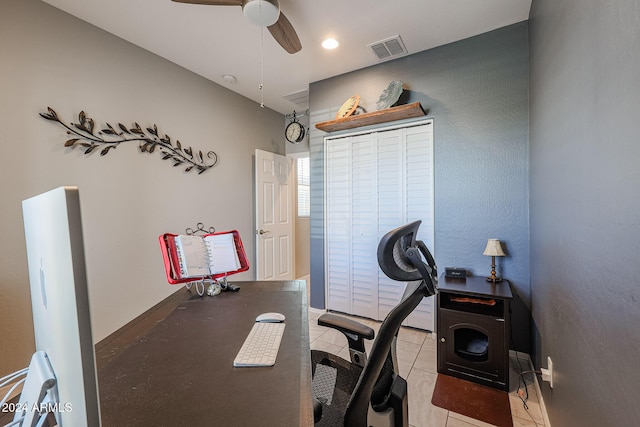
x,y
494,279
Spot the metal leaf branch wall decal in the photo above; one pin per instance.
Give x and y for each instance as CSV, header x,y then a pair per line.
x,y
83,135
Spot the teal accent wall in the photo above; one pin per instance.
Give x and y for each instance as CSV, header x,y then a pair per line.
x,y
477,92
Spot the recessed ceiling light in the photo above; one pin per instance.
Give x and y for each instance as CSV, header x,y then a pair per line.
x,y
330,43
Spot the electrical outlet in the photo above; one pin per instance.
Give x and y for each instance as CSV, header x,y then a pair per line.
x,y
547,374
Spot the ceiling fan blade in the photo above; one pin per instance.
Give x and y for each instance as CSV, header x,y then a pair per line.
x,y
212,2
285,35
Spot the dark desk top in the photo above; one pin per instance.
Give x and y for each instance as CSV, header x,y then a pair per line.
x,y
475,286
173,365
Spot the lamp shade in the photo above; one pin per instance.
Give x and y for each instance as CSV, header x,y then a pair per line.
x,y
261,12
493,248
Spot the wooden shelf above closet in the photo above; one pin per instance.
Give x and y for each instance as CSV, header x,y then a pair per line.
x,y
400,112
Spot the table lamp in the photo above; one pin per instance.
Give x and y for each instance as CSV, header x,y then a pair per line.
x,y
493,250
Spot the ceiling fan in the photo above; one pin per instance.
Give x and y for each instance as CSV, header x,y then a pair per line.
x,y
265,13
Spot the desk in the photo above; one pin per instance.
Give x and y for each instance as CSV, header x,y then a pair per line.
x,y
173,365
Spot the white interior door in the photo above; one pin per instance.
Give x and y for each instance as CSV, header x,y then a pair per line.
x,y
274,217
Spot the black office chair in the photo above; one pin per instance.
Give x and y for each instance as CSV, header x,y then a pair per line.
x,y
368,391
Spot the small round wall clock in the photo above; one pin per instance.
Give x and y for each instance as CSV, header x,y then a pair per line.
x,y
294,131
349,106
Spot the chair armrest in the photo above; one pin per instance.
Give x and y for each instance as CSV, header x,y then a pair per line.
x,y
346,325
355,331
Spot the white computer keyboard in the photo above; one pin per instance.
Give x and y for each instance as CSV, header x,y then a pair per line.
x,y
261,346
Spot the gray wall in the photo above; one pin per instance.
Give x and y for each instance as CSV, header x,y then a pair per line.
x,y
477,92
585,209
127,199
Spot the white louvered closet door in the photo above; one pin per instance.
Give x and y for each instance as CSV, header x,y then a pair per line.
x,y
375,182
390,209
338,225
420,206
364,227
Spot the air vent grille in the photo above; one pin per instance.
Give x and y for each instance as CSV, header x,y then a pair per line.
x,y
300,98
388,48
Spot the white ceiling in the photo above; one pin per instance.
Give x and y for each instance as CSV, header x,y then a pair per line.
x,y
216,40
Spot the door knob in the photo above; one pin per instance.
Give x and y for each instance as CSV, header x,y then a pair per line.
x,y
263,231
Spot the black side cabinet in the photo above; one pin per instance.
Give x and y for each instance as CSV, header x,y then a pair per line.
x,y
473,330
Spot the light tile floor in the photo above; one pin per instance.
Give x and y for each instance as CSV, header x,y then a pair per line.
x,y
417,359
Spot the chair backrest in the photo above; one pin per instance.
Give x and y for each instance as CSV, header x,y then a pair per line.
x,y
399,258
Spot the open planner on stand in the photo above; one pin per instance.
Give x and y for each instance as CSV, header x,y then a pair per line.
x,y
206,255
190,258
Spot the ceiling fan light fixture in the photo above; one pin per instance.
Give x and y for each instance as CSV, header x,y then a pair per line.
x,y
261,12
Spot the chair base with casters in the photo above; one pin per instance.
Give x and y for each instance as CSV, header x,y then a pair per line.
x,y
368,390
390,413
